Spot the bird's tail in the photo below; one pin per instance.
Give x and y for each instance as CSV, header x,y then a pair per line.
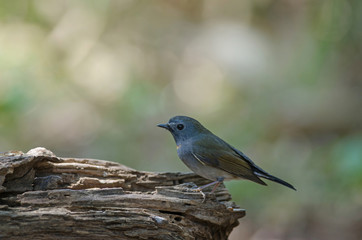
x,y
274,179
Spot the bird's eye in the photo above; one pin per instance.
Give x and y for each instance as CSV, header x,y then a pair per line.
x,y
180,126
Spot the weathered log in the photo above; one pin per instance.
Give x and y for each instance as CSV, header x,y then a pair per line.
x,y
47,197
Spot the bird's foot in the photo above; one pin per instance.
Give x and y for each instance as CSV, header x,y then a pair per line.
x,y
198,189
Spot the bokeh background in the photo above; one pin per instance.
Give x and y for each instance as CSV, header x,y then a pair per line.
x,y
280,80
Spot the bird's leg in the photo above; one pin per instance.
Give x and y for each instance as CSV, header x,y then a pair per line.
x,y
208,185
216,183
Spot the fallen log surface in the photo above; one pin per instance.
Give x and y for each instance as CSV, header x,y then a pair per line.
x,y
47,197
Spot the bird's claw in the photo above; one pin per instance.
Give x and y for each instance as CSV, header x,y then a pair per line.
x,y
195,189
203,196
198,189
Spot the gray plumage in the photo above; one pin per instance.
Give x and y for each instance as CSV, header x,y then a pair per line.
x,y
211,157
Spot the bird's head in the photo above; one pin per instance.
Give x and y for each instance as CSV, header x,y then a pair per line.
x,y
183,128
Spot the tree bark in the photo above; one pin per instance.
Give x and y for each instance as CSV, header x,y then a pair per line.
x,y
47,197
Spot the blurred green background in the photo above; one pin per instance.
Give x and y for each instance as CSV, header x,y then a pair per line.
x,y
280,80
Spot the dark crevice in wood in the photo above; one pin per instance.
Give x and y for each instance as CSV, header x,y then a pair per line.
x,y
172,213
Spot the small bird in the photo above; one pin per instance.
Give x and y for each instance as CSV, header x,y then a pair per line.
x,y
211,157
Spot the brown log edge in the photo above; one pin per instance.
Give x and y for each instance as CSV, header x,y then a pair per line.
x,y
47,197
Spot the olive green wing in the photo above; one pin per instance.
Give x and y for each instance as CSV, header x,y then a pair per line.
x,y
214,152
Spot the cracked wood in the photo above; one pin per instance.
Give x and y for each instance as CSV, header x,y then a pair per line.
x,y
47,197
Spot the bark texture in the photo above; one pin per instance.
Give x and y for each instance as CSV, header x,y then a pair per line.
x,y
47,197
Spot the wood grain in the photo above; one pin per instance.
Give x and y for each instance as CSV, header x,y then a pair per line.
x,y
47,197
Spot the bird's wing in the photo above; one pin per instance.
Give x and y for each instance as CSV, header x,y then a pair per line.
x,y
259,171
242,155
213,152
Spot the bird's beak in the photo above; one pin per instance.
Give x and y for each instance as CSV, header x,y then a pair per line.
x,y
166,126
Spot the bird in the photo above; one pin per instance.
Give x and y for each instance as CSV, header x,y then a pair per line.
x,y
212,158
